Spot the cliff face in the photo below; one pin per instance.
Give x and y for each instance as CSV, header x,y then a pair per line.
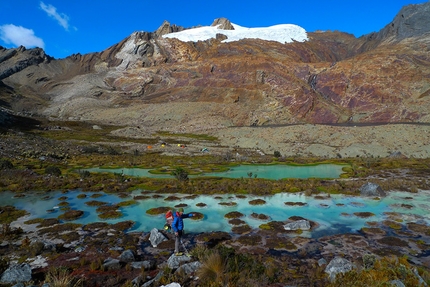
x,y
151,81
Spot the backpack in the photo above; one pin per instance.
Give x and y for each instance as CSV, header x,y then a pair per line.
x,y
169,220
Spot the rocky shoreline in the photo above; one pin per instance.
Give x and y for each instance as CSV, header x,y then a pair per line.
x,y
99,251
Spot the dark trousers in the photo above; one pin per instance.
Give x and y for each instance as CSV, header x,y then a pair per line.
x,y
177,240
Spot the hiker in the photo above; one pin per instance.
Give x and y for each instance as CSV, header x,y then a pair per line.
x,y
178,227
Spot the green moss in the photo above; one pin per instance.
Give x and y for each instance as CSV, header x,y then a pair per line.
x,y
228,203
158,210
33,221
257,202
197,216
234,214
71,215
95,203
364,214
265,226
110,214
127,203
9,213
106,208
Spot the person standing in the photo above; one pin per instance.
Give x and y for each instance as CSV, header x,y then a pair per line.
x,y
178,227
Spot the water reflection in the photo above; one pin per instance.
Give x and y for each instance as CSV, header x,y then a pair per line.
x,y
261,171
334,214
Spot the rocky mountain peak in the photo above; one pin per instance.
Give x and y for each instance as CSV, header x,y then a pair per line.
x,y
412,21
167,28
223,24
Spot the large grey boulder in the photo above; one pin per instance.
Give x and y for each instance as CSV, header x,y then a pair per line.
x,y
302,224
156,237
16,273
175,261
127,256
338,265
189,268
371,189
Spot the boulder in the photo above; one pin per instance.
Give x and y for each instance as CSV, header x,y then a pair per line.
x,y
338,265
322,262
127,256
371,189
174,284
189,268
111,264
145,264
396,283
156,237
175,261
16,273
155,280
302,224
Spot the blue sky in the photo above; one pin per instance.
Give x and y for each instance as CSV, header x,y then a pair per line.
x,y
66,27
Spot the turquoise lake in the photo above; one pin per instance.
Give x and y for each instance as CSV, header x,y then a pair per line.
x,y
261,171
334,215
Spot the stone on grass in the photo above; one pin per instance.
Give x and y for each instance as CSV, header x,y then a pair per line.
x,y
298,224
371,189
147,264
396,283
111,264
338,265
189,268
156,237
175,261
16,273
127,256
322,262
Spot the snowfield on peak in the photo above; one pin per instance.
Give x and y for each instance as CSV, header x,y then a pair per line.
x,y
283,33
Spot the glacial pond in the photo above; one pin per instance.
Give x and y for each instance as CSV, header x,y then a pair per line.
x,y
274,171
335,214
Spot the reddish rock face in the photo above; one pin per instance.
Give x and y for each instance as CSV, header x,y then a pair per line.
x,y
332,78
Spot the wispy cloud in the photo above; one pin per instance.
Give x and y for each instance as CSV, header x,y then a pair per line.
x,y
20,36
62,19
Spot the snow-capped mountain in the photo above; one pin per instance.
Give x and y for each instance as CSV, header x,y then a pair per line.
x,y
283,33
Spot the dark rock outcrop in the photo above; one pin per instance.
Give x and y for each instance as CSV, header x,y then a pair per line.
x,y
412,21
223,24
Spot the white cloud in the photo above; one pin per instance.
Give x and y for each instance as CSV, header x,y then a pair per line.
x,y
62,19
20,36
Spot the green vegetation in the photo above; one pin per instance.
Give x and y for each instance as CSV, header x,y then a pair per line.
x,y
381,273
187,135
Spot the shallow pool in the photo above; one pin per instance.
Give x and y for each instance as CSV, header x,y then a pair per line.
x,y
277,171
334,215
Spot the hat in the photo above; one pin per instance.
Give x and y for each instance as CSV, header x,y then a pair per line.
x,y
181,210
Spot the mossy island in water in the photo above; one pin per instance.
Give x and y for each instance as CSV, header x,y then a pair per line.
x,y
158,210
71,215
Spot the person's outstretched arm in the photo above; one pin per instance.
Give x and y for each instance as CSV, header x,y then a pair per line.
x,y
187,215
